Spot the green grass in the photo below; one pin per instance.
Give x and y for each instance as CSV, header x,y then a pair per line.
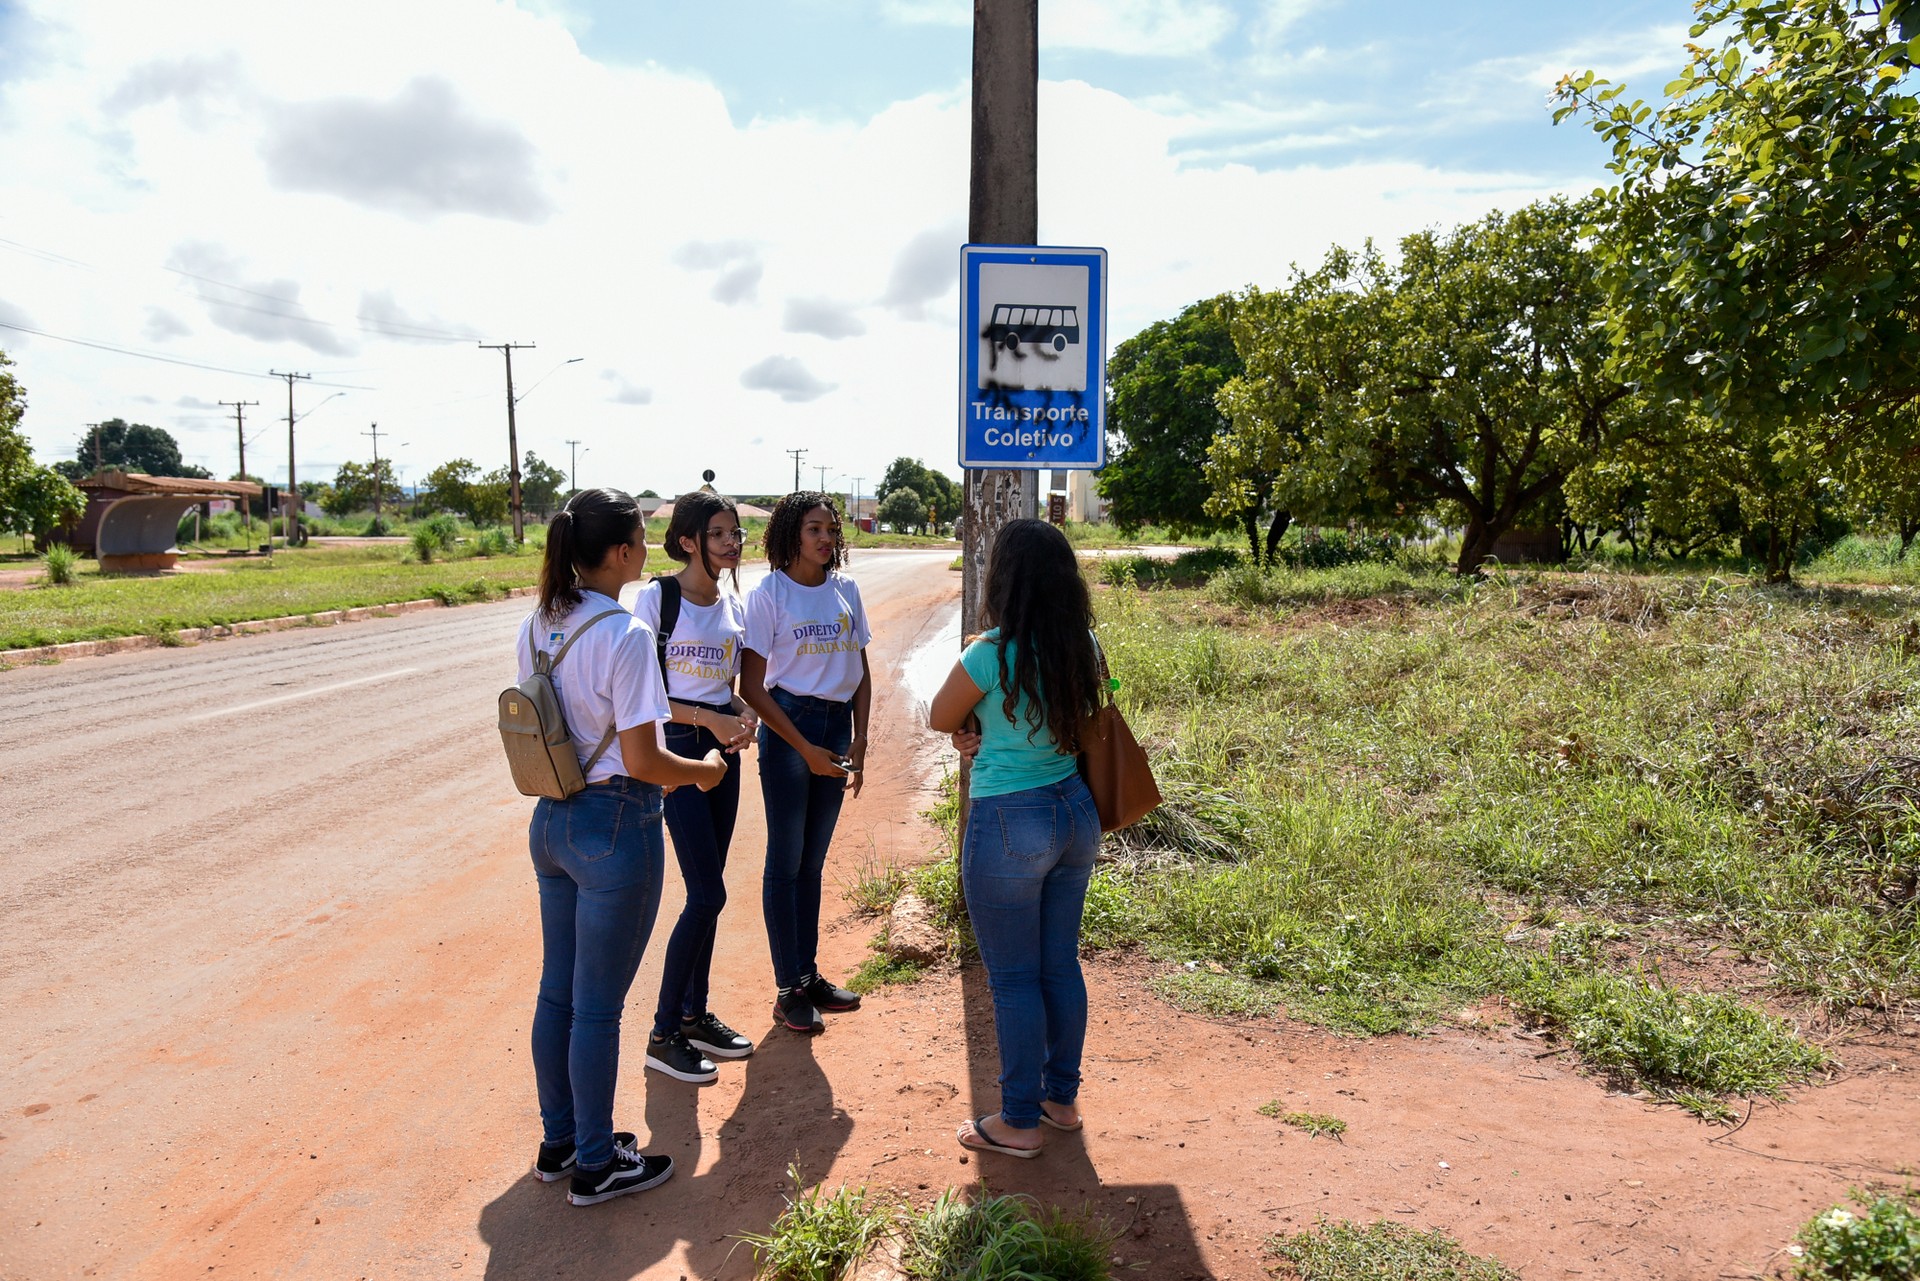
x,y
1382,1251
1644,809
819,1236
1005,1238
1315,1124
305,581
879,971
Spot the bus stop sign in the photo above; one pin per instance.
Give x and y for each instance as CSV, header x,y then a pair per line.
x,y
1033,357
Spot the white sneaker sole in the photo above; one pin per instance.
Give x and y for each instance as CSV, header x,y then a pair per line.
x,y
623,1190
667,1069
711,1050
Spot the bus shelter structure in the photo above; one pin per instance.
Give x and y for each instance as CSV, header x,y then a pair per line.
x,y
131,518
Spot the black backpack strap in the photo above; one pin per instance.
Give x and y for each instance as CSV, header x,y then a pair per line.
x,y
669,615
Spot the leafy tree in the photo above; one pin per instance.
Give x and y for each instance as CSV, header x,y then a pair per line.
x,y
1882,478
938,492
903,510
39,501
355,486
1162,418
1468,377
541,484
16,456
447,487
133,447
489,499
1761,253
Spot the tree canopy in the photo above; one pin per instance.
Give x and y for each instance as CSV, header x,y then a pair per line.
x,y
1760,249
133,447
1162,419
938,492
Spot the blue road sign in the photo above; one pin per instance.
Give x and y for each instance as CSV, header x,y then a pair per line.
x,y
1033,356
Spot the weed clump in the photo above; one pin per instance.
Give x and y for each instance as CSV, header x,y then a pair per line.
x,y
1345,1251
60,563
1878,1242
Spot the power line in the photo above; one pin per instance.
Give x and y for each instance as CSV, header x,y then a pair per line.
x,y
169,360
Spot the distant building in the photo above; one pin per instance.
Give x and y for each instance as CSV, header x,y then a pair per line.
x,y
130,518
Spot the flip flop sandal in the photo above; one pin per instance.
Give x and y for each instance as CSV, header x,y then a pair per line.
x,y
1047,1120
981,1143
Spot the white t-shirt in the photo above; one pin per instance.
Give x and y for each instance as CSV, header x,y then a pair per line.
x,y
610,676
703,654
811,637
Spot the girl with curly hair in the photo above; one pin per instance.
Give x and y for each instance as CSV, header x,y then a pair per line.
x,y
805,672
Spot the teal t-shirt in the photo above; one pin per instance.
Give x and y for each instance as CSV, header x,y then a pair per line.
x,y
1008,761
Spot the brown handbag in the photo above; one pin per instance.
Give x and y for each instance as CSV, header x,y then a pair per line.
x,y
1114,764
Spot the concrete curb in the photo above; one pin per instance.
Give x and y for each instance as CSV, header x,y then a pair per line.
x,y
195,635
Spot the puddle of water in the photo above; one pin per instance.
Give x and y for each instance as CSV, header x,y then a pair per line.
x,y
926,668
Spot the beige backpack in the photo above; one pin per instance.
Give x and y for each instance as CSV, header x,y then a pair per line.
x,y
534,730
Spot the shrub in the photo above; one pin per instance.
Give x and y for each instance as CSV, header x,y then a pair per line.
x,y
61,562
425,544
443,529
1002,1237
1881,1244
378,527
494,541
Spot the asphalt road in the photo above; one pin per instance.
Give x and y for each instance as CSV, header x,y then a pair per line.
x,y
180,829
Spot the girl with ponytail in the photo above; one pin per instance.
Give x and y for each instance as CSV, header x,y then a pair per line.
x,y
598,856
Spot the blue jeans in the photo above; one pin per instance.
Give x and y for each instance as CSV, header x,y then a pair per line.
x,y
1025,866
802,808
701,824
599,857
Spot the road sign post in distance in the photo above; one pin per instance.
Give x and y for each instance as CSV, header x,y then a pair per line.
x,y
1033,357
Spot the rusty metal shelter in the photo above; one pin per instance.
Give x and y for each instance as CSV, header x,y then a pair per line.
x,y
131,518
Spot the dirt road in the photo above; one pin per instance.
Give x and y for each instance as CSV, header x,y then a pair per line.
x,y
266,1015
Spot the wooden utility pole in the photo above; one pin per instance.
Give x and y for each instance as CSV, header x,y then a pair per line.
x,y
292,531
1003,208
798,454
378,484
513,436
239,408
573,467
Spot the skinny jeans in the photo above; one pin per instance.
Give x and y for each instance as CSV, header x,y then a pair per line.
x,y
701,825
802,808
1025,865
598,857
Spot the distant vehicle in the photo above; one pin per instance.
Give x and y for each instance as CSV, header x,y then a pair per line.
x,y
1016,323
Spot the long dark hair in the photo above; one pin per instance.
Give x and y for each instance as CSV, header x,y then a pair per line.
x,y
1038,599
579,536
783,528
691,512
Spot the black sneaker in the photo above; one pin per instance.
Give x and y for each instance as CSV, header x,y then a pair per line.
x,y
679,1060
554,1160
792,1008
628,1172
716,1038
828,998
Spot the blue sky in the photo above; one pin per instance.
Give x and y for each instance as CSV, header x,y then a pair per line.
x,y
743,219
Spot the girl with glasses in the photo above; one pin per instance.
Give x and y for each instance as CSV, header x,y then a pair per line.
x,y
598,856
701,660
805,673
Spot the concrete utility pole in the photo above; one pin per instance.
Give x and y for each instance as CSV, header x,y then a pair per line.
x,y
823,478
239,408
1003,208
797,455
573,465
513,436
292,531
377,485
853,505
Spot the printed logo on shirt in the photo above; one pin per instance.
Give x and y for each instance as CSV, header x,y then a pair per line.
x,y
554,638
812,637
704,662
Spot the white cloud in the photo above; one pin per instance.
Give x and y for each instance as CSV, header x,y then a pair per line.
x,y
10,316
163,325
824,317
926,270
423,153
786,378
268,310
626,392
